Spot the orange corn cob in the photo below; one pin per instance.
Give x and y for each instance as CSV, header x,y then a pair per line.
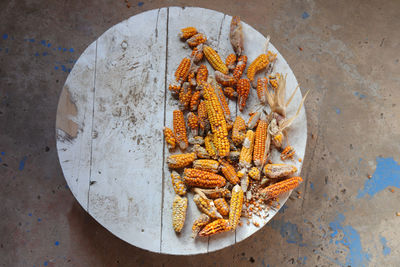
x,y
230,92
199,223
236,35
203,117
194,102
240,67
261,62
273,80
199,178
180,129
215,227
260,155
202,74
179,208
174,88
206,165
193,123
254,173
214,193
206,206
185,95
238,131
224,79
196,39
178,161
197,53
182,71
210,147
243,89
275,190
230,61
224,104
200,151
187,32
222,206
235,209
275,171
262,86
178,184
253,120
247,150
196,140
169,138
215,60
229,172
287,153
192,78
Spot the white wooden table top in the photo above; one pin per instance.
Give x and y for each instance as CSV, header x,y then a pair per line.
x,y
110,117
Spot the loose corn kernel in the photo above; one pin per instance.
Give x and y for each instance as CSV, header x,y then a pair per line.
x,y
180,129
206,165
182,71
179,208
230,61
243,89
195,100
262,86
215,60
202,74
169,138
275,190
260,148
193,123
197,53
199,178
178,161
275,171
200,151
222,206
236,35
199,223
196,39
210,147
229,172
224,79
215,227
206,206
288,153
253,120
178,184
261,62
204,124
187,32
247,150
254,173
240,67
230,92
238,131
235,209
185,95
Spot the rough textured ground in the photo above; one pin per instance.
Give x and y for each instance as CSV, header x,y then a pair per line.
x,y
347,52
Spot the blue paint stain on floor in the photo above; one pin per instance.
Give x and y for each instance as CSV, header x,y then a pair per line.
x,y
71,50
356,256
140,4
305,15
361,96
39,220
3,153
5,36
386,250
45,263
387,174
56,243
311,186
1,160
337,111
30,214
288,231
22,164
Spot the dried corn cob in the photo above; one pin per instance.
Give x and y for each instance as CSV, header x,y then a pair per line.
x,y
262,86
236,35
193,123
222,206
235,209
178,161
247,150
179,208
215,227
238,131
242,172
199,223
169,138
174,88
199,178
224,79
204,124
182,71
197,53
210,147
275,190
224,104
244,182
202,74
214,193
192,78
275,171
229,172
200,151
253,120
180,129
240,67
230,92
206,206
215,60
196,39
230,61
254,173
187,32
261,62
243,89
196,140
195,100
287,153
185,95
260,154
178,184
206,165
273,80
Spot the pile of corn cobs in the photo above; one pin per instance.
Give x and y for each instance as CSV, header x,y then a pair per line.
x,y
228,160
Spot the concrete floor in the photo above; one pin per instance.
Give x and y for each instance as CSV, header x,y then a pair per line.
x,y
347,52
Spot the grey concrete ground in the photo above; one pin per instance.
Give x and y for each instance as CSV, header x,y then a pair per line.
x,y
347,52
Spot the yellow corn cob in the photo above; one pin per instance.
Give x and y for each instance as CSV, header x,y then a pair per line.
x,y
215,60
178,184
236,35
195,100
201,152
261,62
275,190
182,71
174,88
197,53
179,208
199,178
202,74
211,149
287,153
169,138
253,120
187,32
178,161
240,67
238,131
196,39
224,104
230,61
204,124
273,80
247,150
196,140
242,172
243,89
254,173
193,123
214,193
224,80
215,227
275,171
229,172
206,165
259,154
262,86
206,206
222,206
185,95
199,223
180,129
230,92
235,209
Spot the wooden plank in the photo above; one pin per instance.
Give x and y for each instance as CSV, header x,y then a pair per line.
x,y
74,125
126,181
